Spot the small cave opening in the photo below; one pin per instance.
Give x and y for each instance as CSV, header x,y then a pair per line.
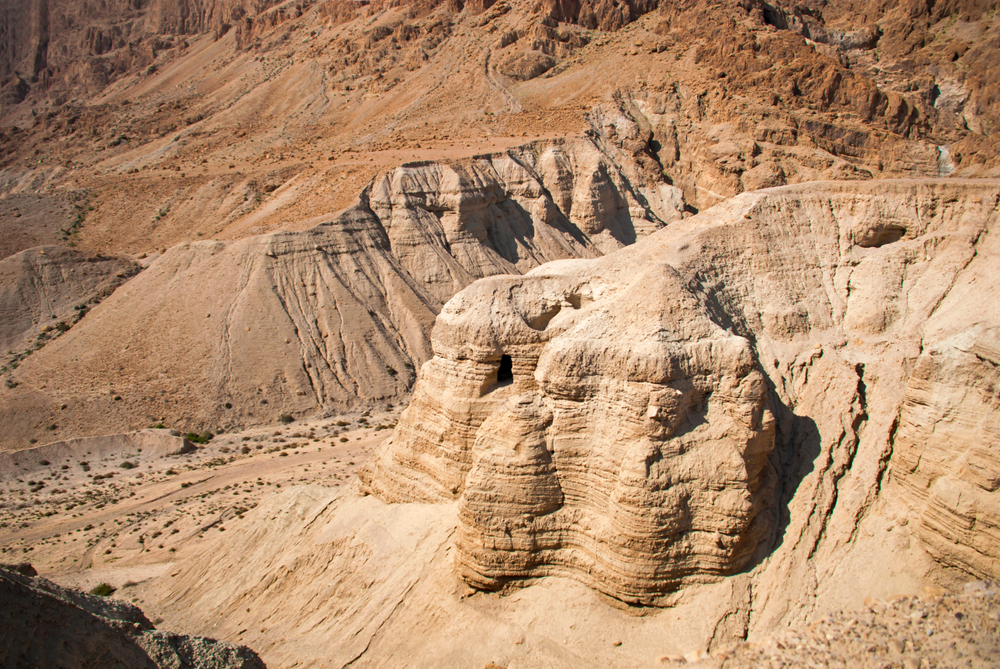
x,y
505,374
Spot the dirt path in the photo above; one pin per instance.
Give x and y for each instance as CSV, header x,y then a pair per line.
x,y
141,518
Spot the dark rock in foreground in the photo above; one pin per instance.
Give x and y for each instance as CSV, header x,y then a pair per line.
x,y
45,625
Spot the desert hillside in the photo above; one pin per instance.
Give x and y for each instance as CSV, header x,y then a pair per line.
x,y
406,150
517,333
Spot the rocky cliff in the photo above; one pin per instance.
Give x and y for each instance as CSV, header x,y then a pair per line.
x,y
187,107
331,317
748,419
735,391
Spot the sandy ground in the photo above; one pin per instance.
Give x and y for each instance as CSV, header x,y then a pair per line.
x,y
121,521
932,630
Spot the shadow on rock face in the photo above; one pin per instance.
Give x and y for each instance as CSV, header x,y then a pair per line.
x,y
797,444
45,625
629,449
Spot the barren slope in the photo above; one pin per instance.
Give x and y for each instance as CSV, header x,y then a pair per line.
x,y
214,335
776,407
48,288
167,123
841,523
180,119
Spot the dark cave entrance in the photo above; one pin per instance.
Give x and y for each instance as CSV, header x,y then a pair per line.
x,y
505,374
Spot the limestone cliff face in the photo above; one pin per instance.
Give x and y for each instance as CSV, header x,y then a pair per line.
x,y
508,213
330,317
591,459
737,382
946,458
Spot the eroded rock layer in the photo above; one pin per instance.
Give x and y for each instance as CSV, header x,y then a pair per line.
x,y
947,458
727,392
334,316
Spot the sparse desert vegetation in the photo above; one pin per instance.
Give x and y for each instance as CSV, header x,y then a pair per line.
x,y
80,518
371,333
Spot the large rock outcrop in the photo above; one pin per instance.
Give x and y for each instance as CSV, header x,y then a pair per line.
x,y
836,308
330,317
593,458
631,444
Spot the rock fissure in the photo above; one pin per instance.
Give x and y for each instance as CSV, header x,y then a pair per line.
x,y
590,464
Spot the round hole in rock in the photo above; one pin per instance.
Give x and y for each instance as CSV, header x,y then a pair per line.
x,y
506,372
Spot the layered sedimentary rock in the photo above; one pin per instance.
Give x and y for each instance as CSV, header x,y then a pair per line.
x,y
50,286
334,316
507,213
631,446
592,458
947,450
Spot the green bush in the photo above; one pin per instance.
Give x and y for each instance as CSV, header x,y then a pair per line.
x,y
102,590
127,465
286,418
196,438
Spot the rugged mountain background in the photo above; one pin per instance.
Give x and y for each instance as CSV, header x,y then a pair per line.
x,y
131,128
219,215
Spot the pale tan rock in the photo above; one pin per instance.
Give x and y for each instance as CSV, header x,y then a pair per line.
x,y
618,406
46,285
332,578
630,449
946,459
219,334
782,268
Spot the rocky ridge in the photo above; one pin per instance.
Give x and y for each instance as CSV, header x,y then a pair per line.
x,y
205,106
776,305
594,124
650,386
833,346
339,313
